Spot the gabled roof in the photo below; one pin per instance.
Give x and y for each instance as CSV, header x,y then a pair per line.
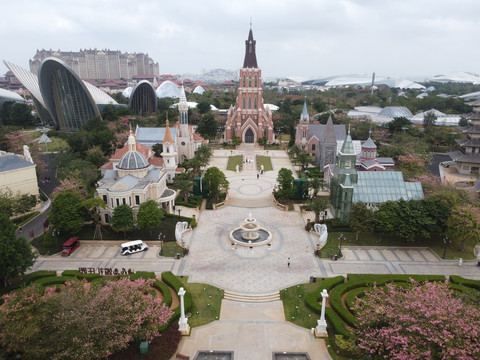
x,y
13,162
329,135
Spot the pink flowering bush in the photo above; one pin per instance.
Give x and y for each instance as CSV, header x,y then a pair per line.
x,y
82,320
421,321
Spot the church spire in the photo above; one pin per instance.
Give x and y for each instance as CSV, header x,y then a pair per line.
x,y
304,116
183,107
250,60
168,135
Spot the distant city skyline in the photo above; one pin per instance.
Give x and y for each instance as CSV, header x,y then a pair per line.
x,y
311,38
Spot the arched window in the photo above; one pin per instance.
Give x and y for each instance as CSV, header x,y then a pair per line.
x,y
249,102
256,81
244,81
250,81
244,102
255,103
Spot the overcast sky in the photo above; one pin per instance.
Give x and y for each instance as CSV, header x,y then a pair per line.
x,y
402,38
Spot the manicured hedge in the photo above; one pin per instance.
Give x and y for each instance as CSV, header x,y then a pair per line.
x,y
54,280
334,321
88,277
312,300
70,273
27,279
184,203
455,279
165,290
172,281
365,280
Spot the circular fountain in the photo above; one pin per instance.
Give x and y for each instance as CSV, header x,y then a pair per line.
x,y
250,233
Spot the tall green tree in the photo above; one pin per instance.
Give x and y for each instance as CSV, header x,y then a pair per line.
x,y
286,187
215,182
122,219
66,215
208,126
184,182
317,205
16,254
150,215
464,225
203,106
362,219
429,119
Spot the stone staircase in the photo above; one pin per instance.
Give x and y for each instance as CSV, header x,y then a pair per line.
x,y
251,298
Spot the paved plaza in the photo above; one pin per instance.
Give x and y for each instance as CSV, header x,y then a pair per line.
x,y
255,330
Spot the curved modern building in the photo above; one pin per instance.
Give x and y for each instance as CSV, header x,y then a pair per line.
x,y
60,96
30,81
143,99
168,89
66,96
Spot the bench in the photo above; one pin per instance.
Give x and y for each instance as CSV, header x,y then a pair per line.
x,y
181,356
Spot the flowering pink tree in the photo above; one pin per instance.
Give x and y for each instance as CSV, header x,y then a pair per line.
x,y
82,320
464,224
16,140
421,321
412,164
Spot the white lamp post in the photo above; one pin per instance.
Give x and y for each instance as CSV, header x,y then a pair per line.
x,y
183,326
321,329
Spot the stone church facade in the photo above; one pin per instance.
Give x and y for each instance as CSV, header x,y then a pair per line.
x,y
249,119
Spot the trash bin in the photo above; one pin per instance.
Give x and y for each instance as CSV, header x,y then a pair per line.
x,y
177,256
144,347
335,257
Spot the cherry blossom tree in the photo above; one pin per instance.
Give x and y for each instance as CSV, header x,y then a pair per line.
x,y
82,320
421,321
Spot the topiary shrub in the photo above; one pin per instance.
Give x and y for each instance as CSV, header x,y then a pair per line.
x,y
475,284
165,290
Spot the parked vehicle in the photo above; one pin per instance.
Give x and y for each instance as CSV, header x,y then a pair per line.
x,y
70,245
132,247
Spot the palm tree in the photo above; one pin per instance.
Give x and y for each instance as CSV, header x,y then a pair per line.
x,y
314,184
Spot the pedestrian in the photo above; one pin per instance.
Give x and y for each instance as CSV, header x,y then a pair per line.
x,y
258,176
460,261
288,262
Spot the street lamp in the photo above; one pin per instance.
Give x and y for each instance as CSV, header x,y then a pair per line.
x,y
445,242
173,213
179,210
340,238
404,128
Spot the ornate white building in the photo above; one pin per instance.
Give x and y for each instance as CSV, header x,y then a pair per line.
x,y
132,176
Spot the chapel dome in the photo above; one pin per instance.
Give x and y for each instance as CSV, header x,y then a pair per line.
x,y
132,160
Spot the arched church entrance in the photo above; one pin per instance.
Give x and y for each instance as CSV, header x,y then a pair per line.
x,y
249,137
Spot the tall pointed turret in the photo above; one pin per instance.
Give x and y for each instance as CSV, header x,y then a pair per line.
x,y
250,60
304,116
329,134
249,120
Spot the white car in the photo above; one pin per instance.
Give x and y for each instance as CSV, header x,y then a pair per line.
x,y
132,247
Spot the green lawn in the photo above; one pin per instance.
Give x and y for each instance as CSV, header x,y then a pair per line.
x,y
57,144
294,305
436,244
265,161
233,161
207,301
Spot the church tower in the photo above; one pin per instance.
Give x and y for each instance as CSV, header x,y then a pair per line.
x,y
328,145
249,119
302,135
169,154
184,139
343,180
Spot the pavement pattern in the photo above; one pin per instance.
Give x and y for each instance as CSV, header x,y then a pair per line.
x,y
254,331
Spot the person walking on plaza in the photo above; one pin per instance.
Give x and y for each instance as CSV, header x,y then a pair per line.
x,y
288,262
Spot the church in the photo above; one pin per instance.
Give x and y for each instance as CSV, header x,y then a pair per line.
x,y
249,119
179,141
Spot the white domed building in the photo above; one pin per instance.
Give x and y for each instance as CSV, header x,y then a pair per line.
x,y
168,89
132,176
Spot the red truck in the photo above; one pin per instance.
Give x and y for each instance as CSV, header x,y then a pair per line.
x,y
70,245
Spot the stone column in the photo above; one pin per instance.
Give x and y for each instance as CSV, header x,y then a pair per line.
x,y
321,329
183,326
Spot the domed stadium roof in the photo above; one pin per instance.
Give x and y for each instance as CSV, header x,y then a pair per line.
x,y
132,160
396,111
10,96
168,89
127,92
199,90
